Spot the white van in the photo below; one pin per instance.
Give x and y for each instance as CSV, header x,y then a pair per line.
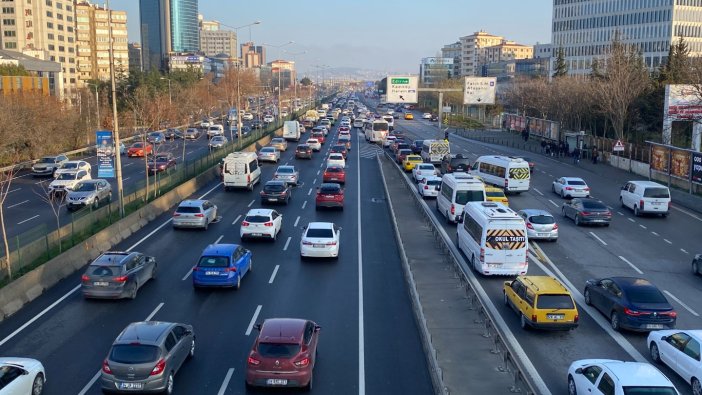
x,y
241,170
455,191
433,151
506,172
645,197
291,131
494,239
358,123
215,130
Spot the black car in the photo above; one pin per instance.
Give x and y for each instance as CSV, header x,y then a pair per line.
x,y
276,192
257,124
454,163
416,146
172,134
697,265
587,211
630,303
303,151
339,149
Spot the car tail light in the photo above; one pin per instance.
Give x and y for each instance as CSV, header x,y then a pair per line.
x,y
529,225
453,209
268,224
534,318
426,187
244,223
482,255
506,183
671,314
632,313
231,269
555,226
106,367
331,243
199,215
85,278
302,363
576,318
254,361
195,268
569,188
585,213
587,189
641,204
307,243
176,215
608,213
248,178
160,366
262,193
121,279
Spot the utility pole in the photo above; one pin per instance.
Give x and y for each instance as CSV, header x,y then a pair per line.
x,y
118,160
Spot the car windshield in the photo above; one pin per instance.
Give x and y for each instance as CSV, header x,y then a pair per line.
x,y
104,271
302,148
161,159
590,205
85,187
47,160
278,350
380,126
274,188
554,302
155,135
334,170
188,210
460,161
66,176
645,295
312,141
650,391
463,197
133,353
426,167
336,157
257,218
575,182
70,165
137,145
285,170
542,219
661,193
213,261
277,141
320,233
433,182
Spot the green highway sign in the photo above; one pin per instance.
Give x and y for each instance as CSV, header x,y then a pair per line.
x,y
402,88
400,81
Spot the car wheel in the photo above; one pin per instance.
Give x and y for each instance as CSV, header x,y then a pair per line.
x,y
169,384
621,201
133,291
577,220
96,203
614,321
553,188
275,236
655,353
588,301
562,194
572,390
563,213
207,224
523,323
250,265
448,219
192,350
38,384
696,387
238,282
636,211
695,267
506,299
154,272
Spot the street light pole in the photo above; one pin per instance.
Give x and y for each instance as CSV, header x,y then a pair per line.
x,y
118,160
170,96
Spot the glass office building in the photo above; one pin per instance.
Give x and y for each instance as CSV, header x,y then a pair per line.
x,y
185,31
152,15
167,26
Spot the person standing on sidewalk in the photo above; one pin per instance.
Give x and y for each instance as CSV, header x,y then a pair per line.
x,y
595,154
576,155
543,145
566,148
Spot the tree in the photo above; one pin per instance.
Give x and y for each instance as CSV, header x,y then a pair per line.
x,y
596,69
6,178
676,70
55,201
305,82
13,70
561,68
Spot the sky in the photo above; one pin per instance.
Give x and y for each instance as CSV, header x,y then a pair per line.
x,y
383,35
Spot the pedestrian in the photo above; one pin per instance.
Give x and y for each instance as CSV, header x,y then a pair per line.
x,y
595,154
543,145
552,147
566,146
576,156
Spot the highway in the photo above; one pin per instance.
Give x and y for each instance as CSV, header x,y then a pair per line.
x,y
654,248
369,342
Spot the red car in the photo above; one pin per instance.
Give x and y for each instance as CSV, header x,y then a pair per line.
x,y
344,129
334,174
283,354
319,136
137,149
329,195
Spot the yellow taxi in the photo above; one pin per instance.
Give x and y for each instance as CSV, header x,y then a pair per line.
x,y
411,161
541,302
493,194
409,116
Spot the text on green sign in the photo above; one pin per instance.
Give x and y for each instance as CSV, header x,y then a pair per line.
x,y
399,80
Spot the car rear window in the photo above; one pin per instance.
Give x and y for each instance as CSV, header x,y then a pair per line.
x,y
645,295
542,219
576,182
494,193
285,170
594,205
188,210
104,271
278,350
460,161
554,302
660,193
303,148
274,188
256,218
463,197
330,189
320,233
403,146
213,261
334,169
434,182
134,353
649,391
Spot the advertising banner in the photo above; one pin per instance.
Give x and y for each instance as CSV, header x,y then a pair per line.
x,y
697,167
105,154
659,158
680,164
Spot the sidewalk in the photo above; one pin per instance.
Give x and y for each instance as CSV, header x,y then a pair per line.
x,y
602,169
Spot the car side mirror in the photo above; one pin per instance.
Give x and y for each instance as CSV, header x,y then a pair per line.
x,y
664,338
257,327
188,332
579,371
624,187
317,328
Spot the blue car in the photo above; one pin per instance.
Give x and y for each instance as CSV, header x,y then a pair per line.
x,y
222,265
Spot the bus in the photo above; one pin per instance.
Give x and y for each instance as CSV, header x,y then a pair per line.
x,y
376,130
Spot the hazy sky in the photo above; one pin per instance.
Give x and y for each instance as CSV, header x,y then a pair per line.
x,y
387,35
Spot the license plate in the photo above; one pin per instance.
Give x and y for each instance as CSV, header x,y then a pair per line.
x,y
318,246
256,234
493,265
543,234
655,326
101,283
277,382
212,273
272,199
656,203
555,316
131,386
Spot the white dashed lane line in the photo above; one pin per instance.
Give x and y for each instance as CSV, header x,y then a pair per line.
x,y
554,203
597,237
537,191
304,204
631,219
275,271
680,302
668,241
237,219
654,233
287,243
643,227
296,221
251,204
683,250
631,264
309,192
253,320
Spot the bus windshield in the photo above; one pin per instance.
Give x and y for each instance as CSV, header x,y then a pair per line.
x,y
380,126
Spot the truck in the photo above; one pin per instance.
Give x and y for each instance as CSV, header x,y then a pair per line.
x,y
311,115
435,150
291,131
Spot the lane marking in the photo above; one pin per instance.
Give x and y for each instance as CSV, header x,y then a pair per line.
x,y
219,239
253,320
225,383
252,202
189,152
304,204
680,302
620,213
643,226
309,192
554,203
359,241
128,164
631,264
14,190
287,243
17,204
537,191
296,221
668,241
683,250
237,219
631,219
125,179
600,240
153,313
687,212
318,171
28,219
187,274
654,233
275,271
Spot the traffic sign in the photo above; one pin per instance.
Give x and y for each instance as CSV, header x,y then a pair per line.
x,y
402,88
479,90
618,146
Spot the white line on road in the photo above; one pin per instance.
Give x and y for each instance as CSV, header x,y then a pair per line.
x,y
189,152
128,164
219,239
643,226
668,241
17,204
654,233
126,178
27,220
359,241
631,264
537,191
275,271
187,274
304,204
683,250
253,320
296,221
309,192
631,219
14,190
693,312
252,202
600,240
554,203
687,212
237,219
620,213
225,383
318,171
153,313
287,243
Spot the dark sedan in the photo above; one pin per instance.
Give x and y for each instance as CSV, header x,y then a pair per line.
x,y
172,134
416,146
303,151
276,192
402,154
630,303
587,211
162,162
339,149
257,124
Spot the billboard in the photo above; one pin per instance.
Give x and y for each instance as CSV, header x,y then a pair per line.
x,y
479,90
696,167
659,158
683,102
105,153
680,163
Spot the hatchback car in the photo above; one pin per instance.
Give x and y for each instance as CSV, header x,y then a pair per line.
x,y
21,376
194,214
587,211
454,163
606,376
261,222
541,302
222,265
334,174
156,138
329,195
319,136
303,151
680,351
284,354
340,149
146,356
288,174
389,140
116,275
630,303
416,146
162,162
570,187
276,191
191,134
428,186
268,154
336,159
493,194
314,144
423,170
540,224
89,193
320,240
279,143
140,149
409,116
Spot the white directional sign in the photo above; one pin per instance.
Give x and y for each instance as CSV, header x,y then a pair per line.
x,y
479,90
402,88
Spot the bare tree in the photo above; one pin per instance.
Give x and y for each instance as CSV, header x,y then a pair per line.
x,y
55,201
6,178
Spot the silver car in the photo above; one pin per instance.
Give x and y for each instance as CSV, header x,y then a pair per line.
x,y
192,133
218,142
540,224
288,174
146,356
89,193
269,154
279,143
116,275
47,165
194,214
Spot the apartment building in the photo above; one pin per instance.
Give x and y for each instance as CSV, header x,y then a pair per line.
x,y
253,55
507,50
453,51
214,41
134,50
472,51
93,42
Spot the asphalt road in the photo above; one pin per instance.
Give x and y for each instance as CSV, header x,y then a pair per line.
x,y
658,249
369,340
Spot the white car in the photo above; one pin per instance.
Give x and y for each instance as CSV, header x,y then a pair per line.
x,y
314,144
268,119
71,166
21,376
247,117
429,186
680,350
570,187
606,376
215,130
320,240
205,124
423,170
389,140
260,222
426,115
336,159
67,181
390,111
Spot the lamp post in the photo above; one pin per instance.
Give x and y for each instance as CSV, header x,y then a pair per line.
x,y
295,79
279,71
118,160
97,104
170,96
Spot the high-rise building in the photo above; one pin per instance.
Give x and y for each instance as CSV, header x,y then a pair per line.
x,y
253,55
134,56
93,42
453,51
167,26
586,29
434,69
472,51
283,70
214,41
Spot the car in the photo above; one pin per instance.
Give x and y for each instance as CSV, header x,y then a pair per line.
x,y
47,165
276,191
423,170
428,186
345,140
284,354
340,149
321,129
279,143
194,214
268,154
329,195
191,134
162,162
319,136
336,159
146,356
320,240
268,118
257,124
531,163
89,193
587,211
540,224
156,138
334,174
206,123
21,376
217,142
314,144
630,303
680,351
454,163
401,154
222,265
247,116
140,149
645,197
426,115
400,144
570,187
288,174
71,166
697,264
541,302
117,275
409,116
389,140
397,114
434,118
410,162
343,129
416,146
172,134
607,376
261,222
303,151
65,182
494,194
